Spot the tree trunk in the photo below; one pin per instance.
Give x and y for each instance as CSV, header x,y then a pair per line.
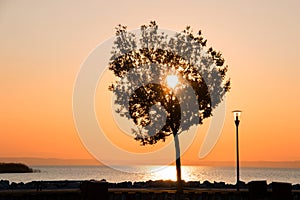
x,y
178,163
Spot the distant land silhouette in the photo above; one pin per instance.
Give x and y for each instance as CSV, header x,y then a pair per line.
x,y
92,162
14,168
50,161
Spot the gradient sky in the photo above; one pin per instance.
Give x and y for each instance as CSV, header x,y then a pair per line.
x,y
44,43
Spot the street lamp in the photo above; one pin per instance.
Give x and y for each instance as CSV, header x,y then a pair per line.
x,y
237,114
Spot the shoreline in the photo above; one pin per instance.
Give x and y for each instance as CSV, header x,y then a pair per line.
x,y
92,189
150,184
150,193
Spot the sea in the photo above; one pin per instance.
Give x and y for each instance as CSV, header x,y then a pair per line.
x,y
145,173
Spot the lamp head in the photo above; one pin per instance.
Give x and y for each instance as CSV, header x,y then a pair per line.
x,y
237,114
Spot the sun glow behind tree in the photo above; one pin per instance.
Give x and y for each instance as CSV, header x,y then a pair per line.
x,y
172,81
142,68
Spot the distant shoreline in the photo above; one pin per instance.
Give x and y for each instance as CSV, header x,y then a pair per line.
x,y
92,162
15,168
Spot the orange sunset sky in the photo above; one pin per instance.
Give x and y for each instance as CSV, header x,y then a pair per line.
x,y
44,43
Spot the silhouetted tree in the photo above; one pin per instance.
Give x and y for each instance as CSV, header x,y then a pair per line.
x,y
141,64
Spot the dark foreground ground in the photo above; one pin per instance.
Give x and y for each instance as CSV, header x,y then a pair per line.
x,y
150,190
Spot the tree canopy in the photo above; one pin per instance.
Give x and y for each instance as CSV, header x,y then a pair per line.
x,y
141,62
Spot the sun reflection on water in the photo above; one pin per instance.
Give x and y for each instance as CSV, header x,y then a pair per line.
x,y
169,173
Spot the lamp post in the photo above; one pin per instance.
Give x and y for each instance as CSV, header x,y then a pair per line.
x,y
237,114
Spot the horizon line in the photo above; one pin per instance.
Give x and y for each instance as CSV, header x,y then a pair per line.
x,y
36,161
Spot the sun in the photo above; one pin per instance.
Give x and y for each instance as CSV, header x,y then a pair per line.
x,y
172,81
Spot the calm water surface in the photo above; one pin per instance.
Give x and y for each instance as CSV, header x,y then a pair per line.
x,y
144,173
